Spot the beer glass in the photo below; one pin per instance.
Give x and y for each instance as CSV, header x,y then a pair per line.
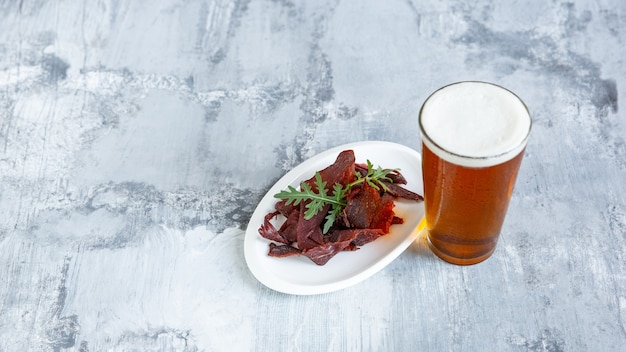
x,y
473,139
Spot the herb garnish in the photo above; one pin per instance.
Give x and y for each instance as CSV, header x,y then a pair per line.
x,y
337,199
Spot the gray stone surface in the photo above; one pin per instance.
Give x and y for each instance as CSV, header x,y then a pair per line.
x,y
137,137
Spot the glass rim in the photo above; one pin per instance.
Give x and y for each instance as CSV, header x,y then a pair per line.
x,y
519,146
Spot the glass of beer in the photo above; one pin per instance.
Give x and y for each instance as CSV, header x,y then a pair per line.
x,y
473,139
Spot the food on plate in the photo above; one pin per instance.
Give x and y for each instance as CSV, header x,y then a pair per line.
x,y
342,207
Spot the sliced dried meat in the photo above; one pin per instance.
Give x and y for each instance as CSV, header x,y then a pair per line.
x,y
351,247
341,171
397,220
401,192
357,237
282,207
366,236
267,230
362,204
309,231
321,254
383,216
289,229
283,250
344,235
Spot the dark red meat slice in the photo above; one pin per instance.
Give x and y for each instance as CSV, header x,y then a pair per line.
x,y
401,192
362,204
283,250
366,236
358,237
289,229
322,253
344,235
309,232
267,230
397,221
341,171
339,240
351,247
383,216
282,207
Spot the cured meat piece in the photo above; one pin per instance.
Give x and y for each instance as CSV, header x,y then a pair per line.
x,y
366,236
397,221
309,232
401,192
289,229
344,235
267,230
362,205
282,207
383,215
361,168
397,178
322,253
351,247
341,171
358,237
339,241
283,250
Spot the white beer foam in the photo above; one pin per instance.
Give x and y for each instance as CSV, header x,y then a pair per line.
x,y
474,124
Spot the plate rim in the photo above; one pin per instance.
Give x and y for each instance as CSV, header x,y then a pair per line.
x,y
251,231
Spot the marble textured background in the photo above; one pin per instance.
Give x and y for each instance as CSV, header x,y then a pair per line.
x,y
137,137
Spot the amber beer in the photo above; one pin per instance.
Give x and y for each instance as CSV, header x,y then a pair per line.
x,y
473,139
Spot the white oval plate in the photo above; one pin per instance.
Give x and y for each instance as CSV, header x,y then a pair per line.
x,y
298,274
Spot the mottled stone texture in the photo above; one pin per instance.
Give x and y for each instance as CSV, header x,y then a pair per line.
x,y
136,138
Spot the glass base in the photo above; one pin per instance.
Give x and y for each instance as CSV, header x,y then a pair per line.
x,y
454,260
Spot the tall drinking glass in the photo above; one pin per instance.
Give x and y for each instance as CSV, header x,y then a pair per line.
x,y
473,139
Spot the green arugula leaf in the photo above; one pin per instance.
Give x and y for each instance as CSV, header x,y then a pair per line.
x,y
339,195
374,177
317,200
